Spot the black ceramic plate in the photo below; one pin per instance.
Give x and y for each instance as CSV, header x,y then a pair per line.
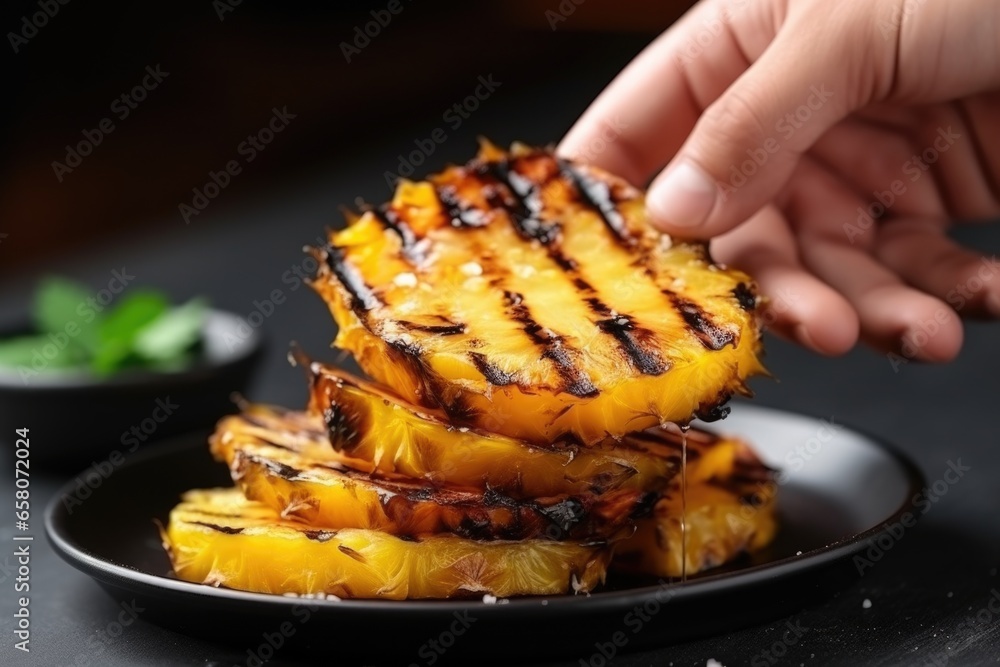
x,y
841,488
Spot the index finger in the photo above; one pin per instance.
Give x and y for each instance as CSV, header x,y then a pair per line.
x,y
641,119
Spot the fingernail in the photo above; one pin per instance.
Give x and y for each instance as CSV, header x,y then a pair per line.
x,y
993,304
684,197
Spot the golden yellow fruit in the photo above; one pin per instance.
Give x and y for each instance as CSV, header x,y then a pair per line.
x,y
730,509
324,494
217,537
528,296
368,423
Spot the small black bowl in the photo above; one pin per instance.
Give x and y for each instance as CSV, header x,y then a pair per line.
x,y
75,419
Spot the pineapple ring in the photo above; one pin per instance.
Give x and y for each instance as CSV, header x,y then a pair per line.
x,y
324,494
217,537
369,423
529,296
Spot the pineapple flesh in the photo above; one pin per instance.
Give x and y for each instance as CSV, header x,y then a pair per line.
x,y
730,509
323,493
220,538
368,422
528,296
533,345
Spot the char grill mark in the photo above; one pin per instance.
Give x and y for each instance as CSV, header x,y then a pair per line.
x,y
708,332
351,552
431,390
344,425
635,342
276,468
714,413
553,349
633,339
320,535
565,515
459,214
438,329
363,299
391,220
524,206
596,195
657,436
745,297
493,374
228,530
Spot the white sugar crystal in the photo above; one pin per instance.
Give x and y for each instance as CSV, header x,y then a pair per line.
x,y
471,269
524,270
406,279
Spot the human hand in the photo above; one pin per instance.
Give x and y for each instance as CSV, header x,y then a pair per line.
x,y
827,147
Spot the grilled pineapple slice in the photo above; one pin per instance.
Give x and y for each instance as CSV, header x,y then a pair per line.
x,y
324,494
528,296
729,509
369,423
218,537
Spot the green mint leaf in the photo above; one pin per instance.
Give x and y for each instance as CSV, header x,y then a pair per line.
x,y
61,307
122,325
173,333
39,352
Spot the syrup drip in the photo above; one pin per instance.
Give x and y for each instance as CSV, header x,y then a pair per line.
x,y
684,493
682,431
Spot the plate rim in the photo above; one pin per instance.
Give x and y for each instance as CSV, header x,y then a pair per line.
x,y
107,572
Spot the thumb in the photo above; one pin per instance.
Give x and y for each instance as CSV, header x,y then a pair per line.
x,y
745,146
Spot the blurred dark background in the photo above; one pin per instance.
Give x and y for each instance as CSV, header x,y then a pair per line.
x,y
229,64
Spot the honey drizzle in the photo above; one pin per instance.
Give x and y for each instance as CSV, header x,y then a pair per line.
x,y
684,451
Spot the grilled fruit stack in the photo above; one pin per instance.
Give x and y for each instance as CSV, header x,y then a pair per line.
x,y
534,344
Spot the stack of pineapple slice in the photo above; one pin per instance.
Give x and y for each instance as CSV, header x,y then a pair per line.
x,y
534,345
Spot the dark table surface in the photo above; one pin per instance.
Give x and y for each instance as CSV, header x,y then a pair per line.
x,y
921,594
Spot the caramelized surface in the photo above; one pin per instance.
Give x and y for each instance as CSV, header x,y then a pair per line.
x,y
217,537
528,296
325,494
